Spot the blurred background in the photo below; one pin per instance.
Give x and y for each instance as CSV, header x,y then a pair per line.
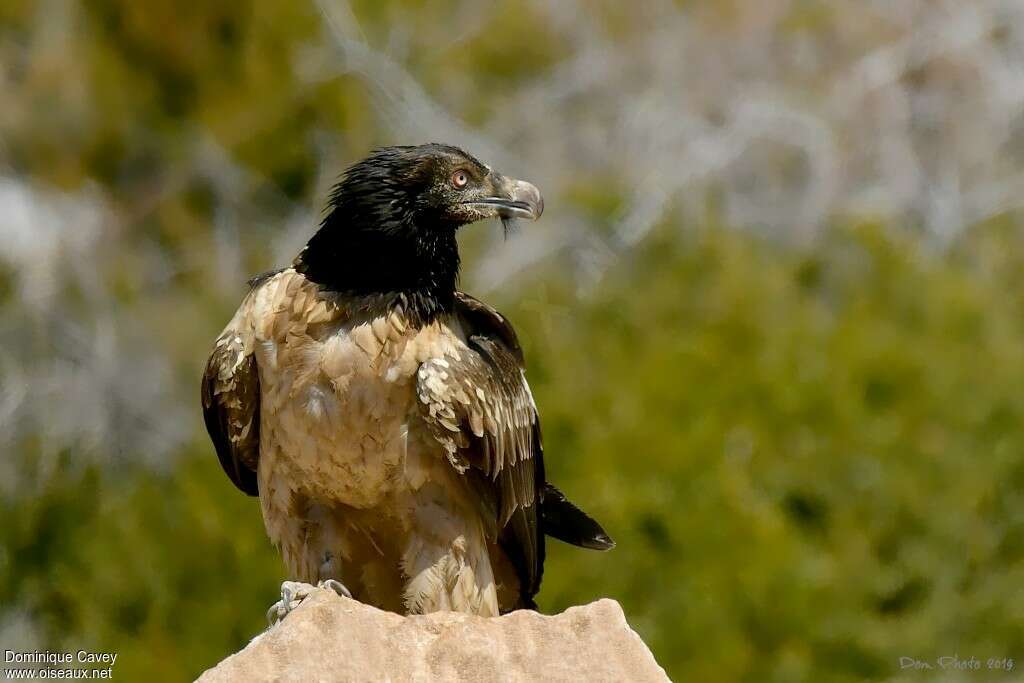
x,y
773,315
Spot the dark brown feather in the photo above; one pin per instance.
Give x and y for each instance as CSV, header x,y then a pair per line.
x,y
231,409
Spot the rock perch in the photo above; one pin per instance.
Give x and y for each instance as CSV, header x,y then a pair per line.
x,y
332,638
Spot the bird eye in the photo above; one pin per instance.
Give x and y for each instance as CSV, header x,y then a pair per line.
x,y
460,179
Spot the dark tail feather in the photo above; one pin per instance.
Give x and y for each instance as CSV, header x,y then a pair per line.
x,y
566,522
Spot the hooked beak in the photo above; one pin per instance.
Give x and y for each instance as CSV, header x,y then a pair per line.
x,y
522,200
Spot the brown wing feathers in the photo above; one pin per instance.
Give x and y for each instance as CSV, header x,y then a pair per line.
x,y
479,407
231,408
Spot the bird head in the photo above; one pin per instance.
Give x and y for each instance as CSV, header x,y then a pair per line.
x,y
391,221
429,187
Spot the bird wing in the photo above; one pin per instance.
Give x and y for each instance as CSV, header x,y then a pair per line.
x,y
231,397
478,406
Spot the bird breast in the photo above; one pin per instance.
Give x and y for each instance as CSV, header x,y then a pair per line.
x,y
338,410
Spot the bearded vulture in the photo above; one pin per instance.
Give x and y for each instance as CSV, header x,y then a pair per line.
x,y
381,415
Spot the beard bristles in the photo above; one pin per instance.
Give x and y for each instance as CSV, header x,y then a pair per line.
x,y
510,225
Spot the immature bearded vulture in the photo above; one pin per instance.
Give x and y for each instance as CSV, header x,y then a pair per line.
x,y
381,415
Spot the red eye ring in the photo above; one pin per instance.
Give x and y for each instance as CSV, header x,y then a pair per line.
x,y
460,179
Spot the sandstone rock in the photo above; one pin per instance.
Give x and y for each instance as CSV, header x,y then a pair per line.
x,y
331,638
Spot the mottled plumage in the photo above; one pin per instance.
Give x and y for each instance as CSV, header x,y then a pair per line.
x,y
382,416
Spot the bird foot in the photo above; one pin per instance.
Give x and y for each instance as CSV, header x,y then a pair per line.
x,y
294,592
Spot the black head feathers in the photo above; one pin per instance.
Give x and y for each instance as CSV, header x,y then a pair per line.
x,y
390,224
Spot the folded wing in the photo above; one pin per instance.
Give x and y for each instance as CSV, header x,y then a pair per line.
x,y
478,406
231,401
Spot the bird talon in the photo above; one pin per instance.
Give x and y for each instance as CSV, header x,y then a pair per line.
x,y
294,592
336,586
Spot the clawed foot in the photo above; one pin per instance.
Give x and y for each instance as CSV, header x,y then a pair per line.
x,y
294,592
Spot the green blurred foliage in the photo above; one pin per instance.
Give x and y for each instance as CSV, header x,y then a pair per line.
x,y
811,458
811,464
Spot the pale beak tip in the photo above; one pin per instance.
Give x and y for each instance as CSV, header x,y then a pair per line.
x,y
528,194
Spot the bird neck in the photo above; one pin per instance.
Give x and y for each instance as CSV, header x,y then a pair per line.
x,y
422,272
